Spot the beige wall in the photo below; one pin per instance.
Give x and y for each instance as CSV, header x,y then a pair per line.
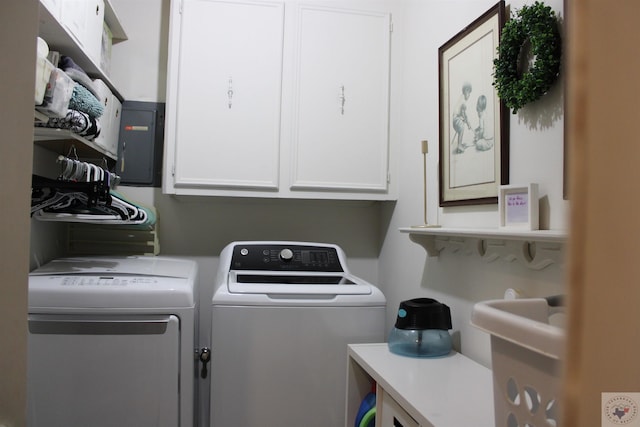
x,y
603,113
18,27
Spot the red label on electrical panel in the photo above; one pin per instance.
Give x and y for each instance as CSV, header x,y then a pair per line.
x,y
132,127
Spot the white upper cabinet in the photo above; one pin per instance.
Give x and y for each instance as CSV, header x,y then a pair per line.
x,y
224,103
341,100
278,99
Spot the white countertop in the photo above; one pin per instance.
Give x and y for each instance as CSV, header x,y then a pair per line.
x,y
450,391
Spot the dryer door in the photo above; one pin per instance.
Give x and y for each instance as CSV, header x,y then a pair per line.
x,y
103,371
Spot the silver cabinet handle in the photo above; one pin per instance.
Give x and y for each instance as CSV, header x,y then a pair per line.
x,y
230,91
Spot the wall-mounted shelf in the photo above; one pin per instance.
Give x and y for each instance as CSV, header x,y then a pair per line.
x,y
112,20
536,249
63,141
75,35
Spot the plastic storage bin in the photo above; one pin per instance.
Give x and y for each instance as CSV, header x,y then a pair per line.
x,y
110,119
43,70
527,346
58,94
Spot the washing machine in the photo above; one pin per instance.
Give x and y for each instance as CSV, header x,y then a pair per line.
x,y
111,342
282,316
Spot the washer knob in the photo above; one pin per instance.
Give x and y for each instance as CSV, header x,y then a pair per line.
x,y
286,254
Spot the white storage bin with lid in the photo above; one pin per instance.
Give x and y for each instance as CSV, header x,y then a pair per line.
x,y
105,49
110,119
84,20
527,347
53,6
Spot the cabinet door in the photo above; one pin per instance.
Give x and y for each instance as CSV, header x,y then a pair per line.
x,y
224,122
341,100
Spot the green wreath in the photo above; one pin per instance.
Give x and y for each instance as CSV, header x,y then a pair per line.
x,y
538,25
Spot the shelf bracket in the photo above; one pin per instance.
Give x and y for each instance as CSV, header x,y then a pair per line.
x,y
427,242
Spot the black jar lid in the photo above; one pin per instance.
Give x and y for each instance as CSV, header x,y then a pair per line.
x,y
423,313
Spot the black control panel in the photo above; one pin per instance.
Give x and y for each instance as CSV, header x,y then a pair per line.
x,y
285,258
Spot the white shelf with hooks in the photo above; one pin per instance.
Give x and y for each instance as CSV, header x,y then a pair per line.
x,y
64,141
535,249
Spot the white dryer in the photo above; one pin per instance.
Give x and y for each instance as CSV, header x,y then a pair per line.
x,y
111,342
282,316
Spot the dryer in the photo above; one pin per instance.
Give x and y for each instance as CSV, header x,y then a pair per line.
x,y
111,342
282,316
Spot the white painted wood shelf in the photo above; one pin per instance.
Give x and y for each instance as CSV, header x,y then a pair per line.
x,y
435,392
64,141
536,249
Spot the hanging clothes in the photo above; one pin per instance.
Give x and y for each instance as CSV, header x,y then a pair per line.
x,y
83,193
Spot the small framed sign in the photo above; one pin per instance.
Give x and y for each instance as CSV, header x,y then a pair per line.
x,y
518,206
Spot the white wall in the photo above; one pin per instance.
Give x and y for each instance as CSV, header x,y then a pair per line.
x,y
369,232
536,156
202,226
199,228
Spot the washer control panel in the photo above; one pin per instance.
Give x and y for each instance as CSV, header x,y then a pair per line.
x,y
81,280
276,257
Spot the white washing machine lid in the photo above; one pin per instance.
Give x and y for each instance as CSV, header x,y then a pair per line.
x,y
290,273
359,294
293,283
113,282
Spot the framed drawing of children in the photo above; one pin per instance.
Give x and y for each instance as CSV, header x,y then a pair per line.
x,y
474,146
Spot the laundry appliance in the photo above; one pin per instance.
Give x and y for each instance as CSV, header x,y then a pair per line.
x,y
282,316
111,342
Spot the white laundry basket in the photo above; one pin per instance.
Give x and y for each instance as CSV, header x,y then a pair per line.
x,y
527,346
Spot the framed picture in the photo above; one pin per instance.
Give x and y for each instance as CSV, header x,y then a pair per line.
x,y
518,206
474,132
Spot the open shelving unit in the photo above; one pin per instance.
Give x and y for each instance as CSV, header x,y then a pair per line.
x,y
425,392
59,38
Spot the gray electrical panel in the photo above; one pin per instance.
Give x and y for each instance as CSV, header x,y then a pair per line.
x,y
141,143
